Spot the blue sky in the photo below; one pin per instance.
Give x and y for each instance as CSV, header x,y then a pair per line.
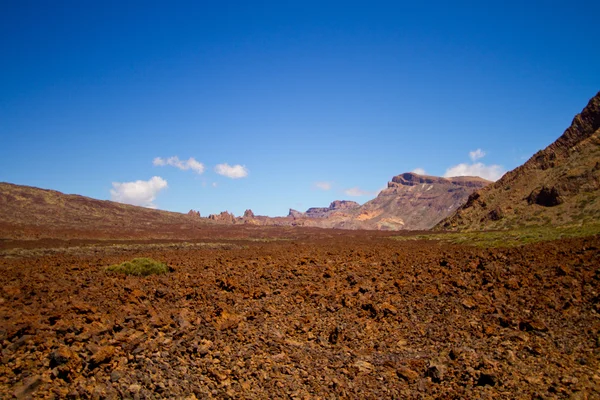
x,y
274,105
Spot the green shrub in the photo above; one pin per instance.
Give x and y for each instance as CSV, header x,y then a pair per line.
x,y
140,267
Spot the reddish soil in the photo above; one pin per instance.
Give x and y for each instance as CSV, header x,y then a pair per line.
x,y
324,314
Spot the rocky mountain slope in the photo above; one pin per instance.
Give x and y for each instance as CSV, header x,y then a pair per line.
x,y
29,212
557,186
411,201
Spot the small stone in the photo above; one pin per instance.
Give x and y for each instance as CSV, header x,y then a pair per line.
x,y
227,321
436,372
60,356
388,309
533,326
116,375
407,374
103,354
512,283
569,380
469,304
364,366
135,388
28,386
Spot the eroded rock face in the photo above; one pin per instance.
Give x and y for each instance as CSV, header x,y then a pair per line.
x,y
343,205
317,212
194,213
224,216
248,214
413,202
336,205
295,214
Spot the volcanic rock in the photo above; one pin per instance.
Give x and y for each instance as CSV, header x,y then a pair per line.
x,y
295,214
410,201
337,205
223,217
320,314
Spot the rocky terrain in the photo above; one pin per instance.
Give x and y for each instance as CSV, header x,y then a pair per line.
x,y
302,314
290,311
559,185
410,202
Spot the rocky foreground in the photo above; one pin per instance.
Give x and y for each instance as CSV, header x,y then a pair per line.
x,y
320,316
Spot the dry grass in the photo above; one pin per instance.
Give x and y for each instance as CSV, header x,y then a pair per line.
x,y
509,238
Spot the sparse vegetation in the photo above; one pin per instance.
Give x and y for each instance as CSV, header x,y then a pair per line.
x,y
139,267
509,238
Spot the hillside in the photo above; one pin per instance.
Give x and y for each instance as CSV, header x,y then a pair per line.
x,y
410,202
29,212
559,185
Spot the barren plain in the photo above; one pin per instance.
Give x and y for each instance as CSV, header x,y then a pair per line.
x,y
251,312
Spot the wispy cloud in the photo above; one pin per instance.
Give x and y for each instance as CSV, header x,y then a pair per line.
x,y
419,171
323,185
476,154
357,192
232,171
184,165
138,193
489,172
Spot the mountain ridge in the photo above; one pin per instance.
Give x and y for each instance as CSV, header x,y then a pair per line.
x,y
557,185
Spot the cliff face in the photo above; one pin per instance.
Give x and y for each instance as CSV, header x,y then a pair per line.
x,y
337,205
558,185
410,201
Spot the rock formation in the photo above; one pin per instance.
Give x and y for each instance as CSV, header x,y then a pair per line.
x,y
223,217
194,213
410,201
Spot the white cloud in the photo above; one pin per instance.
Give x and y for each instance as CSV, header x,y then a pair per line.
x,y
419,171
232,171
476,154
489,172
138,193
184,165
323,185
357,192
214,184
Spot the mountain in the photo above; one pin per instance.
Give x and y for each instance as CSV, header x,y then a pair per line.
x,y
29,212
559,185
410,202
